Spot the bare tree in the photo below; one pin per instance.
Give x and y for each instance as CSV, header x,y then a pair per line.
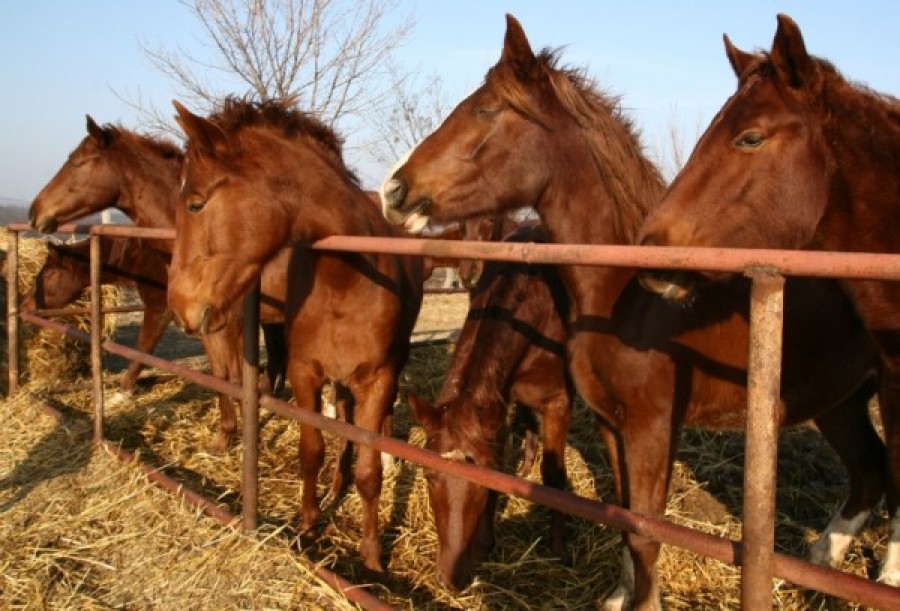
x,y
326,54
416,107
674,152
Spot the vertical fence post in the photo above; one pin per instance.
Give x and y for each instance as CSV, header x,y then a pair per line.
x,y
250,413
97,335
12,310
763,392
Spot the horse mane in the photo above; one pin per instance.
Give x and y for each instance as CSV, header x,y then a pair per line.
x,y
611,136
284,118
157,145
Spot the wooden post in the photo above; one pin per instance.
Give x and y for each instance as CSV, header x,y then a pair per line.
x,y
97,336
763,392
250,411
12,311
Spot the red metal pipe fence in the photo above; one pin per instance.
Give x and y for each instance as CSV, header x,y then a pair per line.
x,y
759,562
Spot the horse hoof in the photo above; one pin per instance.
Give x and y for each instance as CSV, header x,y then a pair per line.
x,y
617,600
370,552
564,555
308,521
222,443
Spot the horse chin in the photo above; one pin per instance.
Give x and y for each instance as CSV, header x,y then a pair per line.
x,y
416,223
45,225
678,286
412,217
458,574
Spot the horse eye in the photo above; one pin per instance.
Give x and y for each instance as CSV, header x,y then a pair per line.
x,y
751,139
486,113
195,205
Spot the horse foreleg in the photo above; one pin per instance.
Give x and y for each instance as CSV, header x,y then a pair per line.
x,y
848,429
223,349
276,357
555,429
153,326
643,460
373,398
307,392
341,400
889,403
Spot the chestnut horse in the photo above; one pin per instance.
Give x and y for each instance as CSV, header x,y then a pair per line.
x,y
257,179
537,135
125,261
801,158
511,348
140,175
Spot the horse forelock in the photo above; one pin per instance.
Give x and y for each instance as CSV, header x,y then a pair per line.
x,y
284,119
634,183
465,428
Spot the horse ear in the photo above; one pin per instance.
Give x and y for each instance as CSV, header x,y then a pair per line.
x,y
101,136
424,412
205,136
516,49
789,54
739,59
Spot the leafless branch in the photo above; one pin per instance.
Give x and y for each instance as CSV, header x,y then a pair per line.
x,y
326,54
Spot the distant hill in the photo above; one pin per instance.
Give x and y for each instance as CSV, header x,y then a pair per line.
x,y
16,211
13,210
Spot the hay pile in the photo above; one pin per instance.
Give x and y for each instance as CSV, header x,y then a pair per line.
x,y
80,530
46,356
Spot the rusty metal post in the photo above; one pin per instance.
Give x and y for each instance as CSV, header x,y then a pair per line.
x,y
97,336
250,413
763,391
12,310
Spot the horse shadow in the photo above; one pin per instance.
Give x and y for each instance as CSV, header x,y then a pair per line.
x,y
44,461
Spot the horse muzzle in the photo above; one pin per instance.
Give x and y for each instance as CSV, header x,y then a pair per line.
x,y
670,285
401,210
46,224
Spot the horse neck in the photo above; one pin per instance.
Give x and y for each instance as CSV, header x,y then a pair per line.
x,y
588,204
150,184
862,133
486,358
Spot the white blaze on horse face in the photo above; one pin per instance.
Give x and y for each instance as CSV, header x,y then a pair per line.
x,y
890,570
413,223
385,207
832,546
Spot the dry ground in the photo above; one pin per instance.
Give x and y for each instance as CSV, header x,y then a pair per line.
x,y
80,530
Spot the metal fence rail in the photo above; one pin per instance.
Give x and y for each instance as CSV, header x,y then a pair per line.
x,y
759,562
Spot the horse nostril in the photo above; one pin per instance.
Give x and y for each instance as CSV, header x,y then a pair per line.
x,y
204,320
649,240
395,190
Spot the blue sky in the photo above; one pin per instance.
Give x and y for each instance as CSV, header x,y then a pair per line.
x,y
62,59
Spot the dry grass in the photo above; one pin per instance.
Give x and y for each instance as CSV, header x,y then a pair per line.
x,y
81,530
45,356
